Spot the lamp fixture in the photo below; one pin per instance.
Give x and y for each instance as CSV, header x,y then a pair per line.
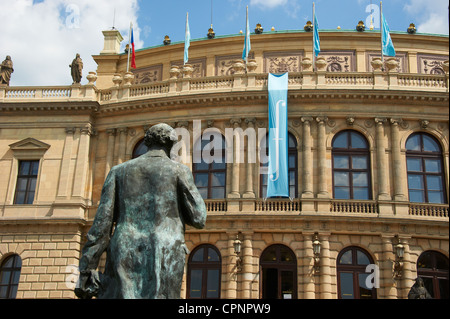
x,y
399,251
237,251
316,250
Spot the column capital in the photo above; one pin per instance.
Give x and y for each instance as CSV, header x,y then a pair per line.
x,y
250,121
111,131
395,121
86,130
70,130
380,120
306,119
236,122
123,130
322,119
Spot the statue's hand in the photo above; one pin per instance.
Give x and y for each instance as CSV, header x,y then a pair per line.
x,y
89,284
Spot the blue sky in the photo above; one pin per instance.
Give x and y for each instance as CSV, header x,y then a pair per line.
x,y
157,19
43,36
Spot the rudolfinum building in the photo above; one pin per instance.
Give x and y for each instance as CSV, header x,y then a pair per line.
x,y
368,164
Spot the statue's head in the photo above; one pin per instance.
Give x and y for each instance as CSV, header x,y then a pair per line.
x,y
8,57
161,135
419,282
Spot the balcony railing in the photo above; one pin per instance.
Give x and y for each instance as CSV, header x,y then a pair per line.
x,y
332,207
430,210
231,83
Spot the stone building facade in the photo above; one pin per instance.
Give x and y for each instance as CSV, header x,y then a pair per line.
x,y
369,164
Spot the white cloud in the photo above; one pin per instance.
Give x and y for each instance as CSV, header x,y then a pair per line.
x,y
268,3
431,17
42,37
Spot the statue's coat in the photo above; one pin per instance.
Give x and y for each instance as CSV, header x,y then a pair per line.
x,y
140,221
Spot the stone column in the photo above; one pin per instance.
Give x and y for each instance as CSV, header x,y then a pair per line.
x,y
399,175
407,279
110,150
82,165
307,159
123,132
235,166
322,157
308,265
249,192
387,284
64,178
325,267
381,160
247,266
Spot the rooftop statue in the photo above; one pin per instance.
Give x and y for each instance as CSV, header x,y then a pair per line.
x,y
140,223
6,70
76,69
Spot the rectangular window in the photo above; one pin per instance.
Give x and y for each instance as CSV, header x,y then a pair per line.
x,y
26,182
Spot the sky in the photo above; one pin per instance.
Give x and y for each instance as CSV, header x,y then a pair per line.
x,y
43,36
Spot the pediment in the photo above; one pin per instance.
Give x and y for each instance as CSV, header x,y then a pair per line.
x,y
29,144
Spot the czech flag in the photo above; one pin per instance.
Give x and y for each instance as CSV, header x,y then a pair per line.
x,y
133,53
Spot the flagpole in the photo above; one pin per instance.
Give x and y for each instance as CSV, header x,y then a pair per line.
x,y
246,33
381,31
129,47
313,19
186,29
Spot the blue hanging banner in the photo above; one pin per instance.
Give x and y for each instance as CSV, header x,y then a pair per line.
x,y
278,173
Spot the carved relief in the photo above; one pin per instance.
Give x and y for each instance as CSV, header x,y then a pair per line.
x,y
400,58
339,61
148,75
224,64
280,62
431,64
199,66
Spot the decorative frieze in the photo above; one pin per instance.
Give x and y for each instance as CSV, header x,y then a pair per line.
x,y
224,64
339,61
148,75
280,62
431,64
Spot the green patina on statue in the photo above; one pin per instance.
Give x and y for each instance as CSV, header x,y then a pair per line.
x,y
140,223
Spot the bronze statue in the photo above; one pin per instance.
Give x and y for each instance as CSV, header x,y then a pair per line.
x,y
6,70
418,290
140,223
76,69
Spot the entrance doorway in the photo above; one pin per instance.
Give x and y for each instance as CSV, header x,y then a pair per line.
x,y
279,273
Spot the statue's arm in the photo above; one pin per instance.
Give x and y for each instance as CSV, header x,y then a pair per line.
x,y
99,235
192,205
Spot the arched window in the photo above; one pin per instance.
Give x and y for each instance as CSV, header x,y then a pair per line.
x,y
432,267
352,275
140,149
279,273
425,169
292,162
9,276
351,166
211,171
204,271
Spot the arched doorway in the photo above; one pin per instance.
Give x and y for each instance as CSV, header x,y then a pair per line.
x,y
279,273
432,267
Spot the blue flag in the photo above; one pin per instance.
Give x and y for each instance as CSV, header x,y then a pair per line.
x,y
247,45
278,173
316,37
388,45
187,41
